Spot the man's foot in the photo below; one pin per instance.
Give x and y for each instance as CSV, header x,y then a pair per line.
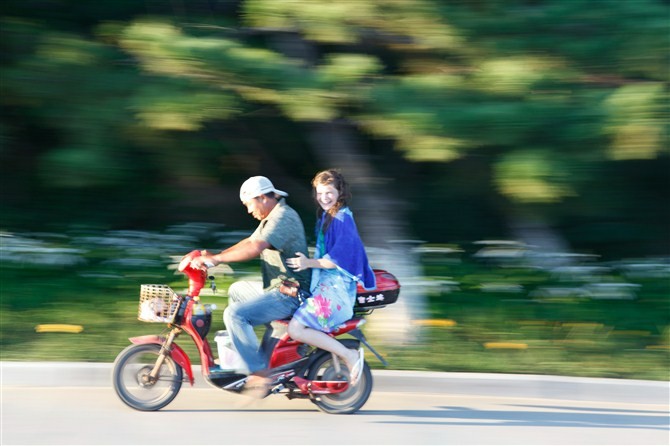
x,y
257,386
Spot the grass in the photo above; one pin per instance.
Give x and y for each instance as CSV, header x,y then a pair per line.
x,y
514,319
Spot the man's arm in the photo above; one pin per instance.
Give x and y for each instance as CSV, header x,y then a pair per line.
x,y
242,251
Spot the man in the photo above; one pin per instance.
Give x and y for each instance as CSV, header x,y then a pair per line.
x,y
279,236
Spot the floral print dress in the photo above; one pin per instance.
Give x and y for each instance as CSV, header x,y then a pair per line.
x,y
334,290
331,303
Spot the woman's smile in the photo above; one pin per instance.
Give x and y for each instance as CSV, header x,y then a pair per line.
x,y
326,196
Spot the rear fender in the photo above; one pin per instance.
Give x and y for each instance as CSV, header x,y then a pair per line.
x,y
177,353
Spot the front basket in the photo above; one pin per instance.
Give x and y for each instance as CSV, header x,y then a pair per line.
x,y
158,303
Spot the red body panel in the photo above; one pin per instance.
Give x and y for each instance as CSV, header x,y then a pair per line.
x,y
320,387
284,352
347,326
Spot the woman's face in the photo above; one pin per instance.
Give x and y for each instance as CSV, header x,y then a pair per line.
x,y
326,196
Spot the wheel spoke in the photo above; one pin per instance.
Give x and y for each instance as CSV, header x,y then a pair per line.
x,y
348,401
133,385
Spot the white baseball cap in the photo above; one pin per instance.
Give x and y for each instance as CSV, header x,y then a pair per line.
x,y
257,186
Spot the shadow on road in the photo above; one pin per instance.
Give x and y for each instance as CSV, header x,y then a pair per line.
x,y
538,416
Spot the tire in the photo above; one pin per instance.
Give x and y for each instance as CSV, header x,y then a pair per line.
x,y
346,402
133,365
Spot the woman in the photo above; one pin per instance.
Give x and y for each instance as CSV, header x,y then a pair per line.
x,y
339,263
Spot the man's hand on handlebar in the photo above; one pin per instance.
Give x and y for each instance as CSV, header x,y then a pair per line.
x,y
203,262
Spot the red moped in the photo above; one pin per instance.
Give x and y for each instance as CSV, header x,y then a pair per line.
x,y
148,374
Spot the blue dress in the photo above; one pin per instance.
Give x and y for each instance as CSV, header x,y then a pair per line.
x,y
334,290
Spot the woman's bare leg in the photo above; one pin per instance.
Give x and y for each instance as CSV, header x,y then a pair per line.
x,y
321,340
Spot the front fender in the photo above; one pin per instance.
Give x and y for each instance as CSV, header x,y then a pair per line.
x,y
177,353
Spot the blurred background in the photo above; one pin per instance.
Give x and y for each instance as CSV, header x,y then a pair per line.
x,y
509,162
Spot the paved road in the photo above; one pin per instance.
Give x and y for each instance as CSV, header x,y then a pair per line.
x,y
63,403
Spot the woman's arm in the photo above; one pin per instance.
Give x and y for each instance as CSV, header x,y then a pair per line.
x,y
302,262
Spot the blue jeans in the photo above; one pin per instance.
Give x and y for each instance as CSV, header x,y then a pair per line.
x,y
249,306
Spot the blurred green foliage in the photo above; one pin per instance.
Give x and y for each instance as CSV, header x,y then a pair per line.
x,y
477,115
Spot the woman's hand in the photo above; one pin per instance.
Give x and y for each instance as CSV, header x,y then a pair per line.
x,y
298,263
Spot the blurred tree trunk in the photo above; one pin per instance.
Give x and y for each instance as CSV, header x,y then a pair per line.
x,y
380,215
381,220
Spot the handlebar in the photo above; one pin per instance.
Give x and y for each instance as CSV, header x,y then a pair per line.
x,y
196,277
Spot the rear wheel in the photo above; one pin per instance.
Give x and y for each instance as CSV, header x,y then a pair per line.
x,y
345,402
134,385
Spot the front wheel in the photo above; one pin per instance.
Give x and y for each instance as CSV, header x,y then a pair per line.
x,y
345,402
134,385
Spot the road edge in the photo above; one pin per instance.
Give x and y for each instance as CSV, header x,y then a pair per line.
x,y
90,374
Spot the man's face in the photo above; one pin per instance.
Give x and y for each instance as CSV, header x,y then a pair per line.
x,y
259,207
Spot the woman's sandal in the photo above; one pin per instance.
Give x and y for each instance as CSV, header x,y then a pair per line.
x,y
357,370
